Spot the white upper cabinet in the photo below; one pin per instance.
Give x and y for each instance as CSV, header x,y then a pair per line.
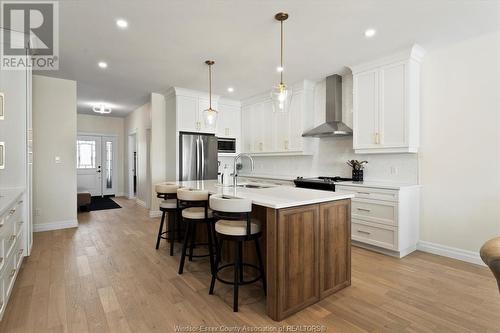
x,y
229,119
386,104
190,106
265,132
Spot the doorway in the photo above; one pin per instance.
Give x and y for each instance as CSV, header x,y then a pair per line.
x,y
96,164
133,162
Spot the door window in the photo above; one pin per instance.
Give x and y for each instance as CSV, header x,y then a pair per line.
x,y
109,164
85,154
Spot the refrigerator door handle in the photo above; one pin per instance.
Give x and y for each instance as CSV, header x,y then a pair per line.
x,y
197,158
202,159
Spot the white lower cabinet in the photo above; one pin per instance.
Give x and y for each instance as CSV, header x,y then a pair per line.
x,y
12,249
385,220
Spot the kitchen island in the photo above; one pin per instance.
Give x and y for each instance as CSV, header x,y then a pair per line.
x,y
306,239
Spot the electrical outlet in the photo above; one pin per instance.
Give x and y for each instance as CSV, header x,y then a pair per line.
x,y
37,212
394,170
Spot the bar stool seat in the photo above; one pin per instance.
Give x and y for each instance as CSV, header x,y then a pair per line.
x,y
235,228
196,213
168,204
234,224
167,192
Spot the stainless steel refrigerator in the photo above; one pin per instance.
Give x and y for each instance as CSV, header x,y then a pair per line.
x,y
198,156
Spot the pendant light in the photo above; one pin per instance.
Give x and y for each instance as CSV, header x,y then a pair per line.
x,y
210,115
281,95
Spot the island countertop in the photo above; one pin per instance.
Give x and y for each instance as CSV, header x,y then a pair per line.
x,y
274,196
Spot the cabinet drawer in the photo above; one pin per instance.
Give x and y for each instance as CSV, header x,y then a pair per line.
x,y
3,296
376,211
9,274
370,192
19,252
375,234
7,239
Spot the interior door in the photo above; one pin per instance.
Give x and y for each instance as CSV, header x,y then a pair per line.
x,y
88,164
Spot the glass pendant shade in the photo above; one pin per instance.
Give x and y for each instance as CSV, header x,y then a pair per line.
x,y
282,98
210,118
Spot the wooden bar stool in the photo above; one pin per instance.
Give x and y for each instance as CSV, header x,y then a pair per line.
x,y
167,192
194,206
234,224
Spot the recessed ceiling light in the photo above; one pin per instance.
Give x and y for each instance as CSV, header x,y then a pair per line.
x,y
121,23
370,33
230,89
102,64
279,69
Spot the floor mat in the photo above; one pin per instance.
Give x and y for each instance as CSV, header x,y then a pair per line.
x,y
101,203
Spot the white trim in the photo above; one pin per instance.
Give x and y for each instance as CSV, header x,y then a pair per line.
x,y
140,203
155,213
450,252
55,225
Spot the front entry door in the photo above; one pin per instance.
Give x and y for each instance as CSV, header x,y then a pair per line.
x,y
95,162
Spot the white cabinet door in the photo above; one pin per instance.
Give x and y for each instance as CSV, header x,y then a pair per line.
x,y
294,142
228,123
366,108
187,114
393,111
266,125
247,122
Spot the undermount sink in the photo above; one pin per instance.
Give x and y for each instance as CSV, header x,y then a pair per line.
x,y
254,186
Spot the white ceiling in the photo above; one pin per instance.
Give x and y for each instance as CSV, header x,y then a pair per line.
x,y
167,42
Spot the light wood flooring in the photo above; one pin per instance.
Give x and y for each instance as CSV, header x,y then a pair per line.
x,y
106,276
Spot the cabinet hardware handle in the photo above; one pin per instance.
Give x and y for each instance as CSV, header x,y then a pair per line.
x,y
286,144
12,211
21,251
261,145
377,138
1,224
364,209
12,273
364,193
364,232
1,259
12,237
20,202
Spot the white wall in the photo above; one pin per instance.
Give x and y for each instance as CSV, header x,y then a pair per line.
x,y
54,134
139,121
460,143
107,126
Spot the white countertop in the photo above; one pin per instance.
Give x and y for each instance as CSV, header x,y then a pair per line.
x,y
275,197
375,184
8,196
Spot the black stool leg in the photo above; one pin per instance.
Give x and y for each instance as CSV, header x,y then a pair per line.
x,y
240,259
160,230
261,265
171,231
214,273
210,246
184,246
237,268
193,239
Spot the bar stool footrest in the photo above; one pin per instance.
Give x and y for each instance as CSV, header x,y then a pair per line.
x,y
239,283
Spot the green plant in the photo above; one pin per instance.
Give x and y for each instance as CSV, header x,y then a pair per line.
x,y
356,165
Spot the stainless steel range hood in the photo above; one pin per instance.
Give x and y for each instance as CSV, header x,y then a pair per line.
x,y
333,125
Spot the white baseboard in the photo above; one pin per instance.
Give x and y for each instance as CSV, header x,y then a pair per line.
x,y
155,213
140,203
450,252
55,225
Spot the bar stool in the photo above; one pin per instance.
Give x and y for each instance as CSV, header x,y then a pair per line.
x,y
168,205
234,224
194,206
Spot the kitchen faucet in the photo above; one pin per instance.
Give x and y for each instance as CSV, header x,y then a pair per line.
x,y
235,172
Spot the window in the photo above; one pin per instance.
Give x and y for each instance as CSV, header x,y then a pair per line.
x,y
109,164
85,154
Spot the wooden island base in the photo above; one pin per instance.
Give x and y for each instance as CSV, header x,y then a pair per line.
x,y
308,254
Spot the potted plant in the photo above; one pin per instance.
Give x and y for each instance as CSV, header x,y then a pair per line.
x,y
357,169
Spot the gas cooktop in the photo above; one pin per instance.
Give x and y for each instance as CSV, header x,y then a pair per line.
x,y
319,183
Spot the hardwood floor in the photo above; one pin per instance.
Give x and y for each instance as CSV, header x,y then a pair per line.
x,y
106,276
